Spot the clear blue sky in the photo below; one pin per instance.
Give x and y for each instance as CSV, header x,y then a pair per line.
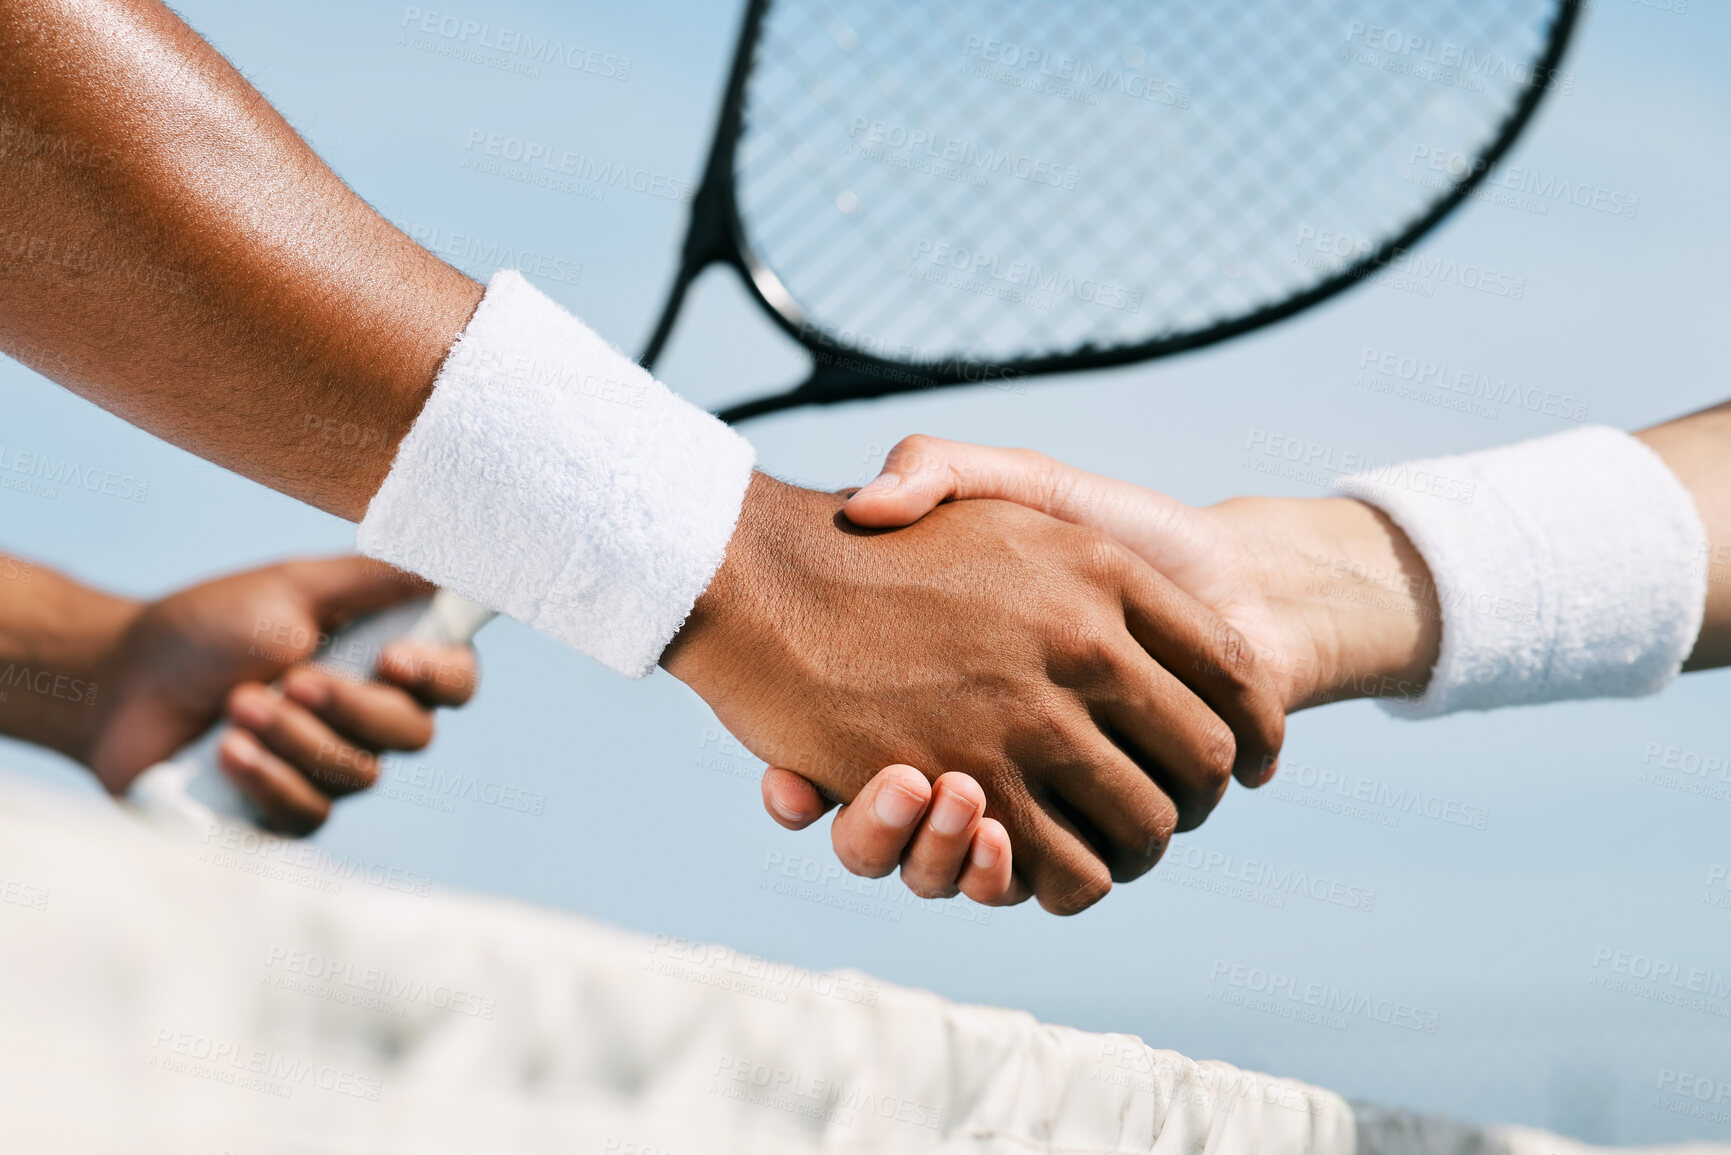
x,y
651,822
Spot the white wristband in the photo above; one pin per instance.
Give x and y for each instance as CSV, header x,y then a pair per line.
x,y
1571,566
552,478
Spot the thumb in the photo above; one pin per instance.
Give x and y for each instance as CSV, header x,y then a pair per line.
x,y
921,472
340,589
791,800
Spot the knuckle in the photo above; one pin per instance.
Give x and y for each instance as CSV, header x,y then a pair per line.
x,y
1101,555
911,452
1152,829
1235,661
1155,827
1219,753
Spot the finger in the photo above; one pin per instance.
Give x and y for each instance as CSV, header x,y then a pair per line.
x,y
290,803
920,472
791,800
1212,658
1056,861
1171,734
436,675
871,832
1123,812
301,741
989,876
344,588
368,714
933,862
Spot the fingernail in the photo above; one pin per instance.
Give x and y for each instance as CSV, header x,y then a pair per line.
x,y
240,747
896,808
784,812
885,482
251,711
951,815
985,854
308,690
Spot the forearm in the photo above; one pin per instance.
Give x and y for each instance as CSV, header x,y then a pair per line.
x,y
57,644
1369,611
171,250
1698,450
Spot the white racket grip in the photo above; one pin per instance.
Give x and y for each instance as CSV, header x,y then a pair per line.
x,y
189,796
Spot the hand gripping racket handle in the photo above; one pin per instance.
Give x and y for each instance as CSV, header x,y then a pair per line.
x,y
189,794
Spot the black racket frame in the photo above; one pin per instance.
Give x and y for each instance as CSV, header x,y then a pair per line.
x,y
716,235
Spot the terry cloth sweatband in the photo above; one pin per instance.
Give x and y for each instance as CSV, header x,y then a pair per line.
x,y
552,478
1571,566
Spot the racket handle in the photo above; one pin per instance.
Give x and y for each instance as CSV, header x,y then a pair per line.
x,y
189,795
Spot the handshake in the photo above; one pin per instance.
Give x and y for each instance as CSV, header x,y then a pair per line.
x,y
1022,679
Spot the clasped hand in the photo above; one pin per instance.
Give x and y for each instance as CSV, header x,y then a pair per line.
x,y
1098,707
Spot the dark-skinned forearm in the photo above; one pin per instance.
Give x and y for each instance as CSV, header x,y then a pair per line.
x,y
171,250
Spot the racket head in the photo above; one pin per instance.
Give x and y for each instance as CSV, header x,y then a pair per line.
x,y
929,194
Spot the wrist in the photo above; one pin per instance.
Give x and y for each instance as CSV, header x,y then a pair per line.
x,y
1358,612
712,641
62,652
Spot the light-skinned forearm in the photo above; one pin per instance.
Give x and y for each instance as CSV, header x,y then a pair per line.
x,y
1364,597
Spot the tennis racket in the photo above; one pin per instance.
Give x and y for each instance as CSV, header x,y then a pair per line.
x,y
927,194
